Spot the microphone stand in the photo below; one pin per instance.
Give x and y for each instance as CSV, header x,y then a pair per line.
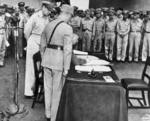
x,y
15,108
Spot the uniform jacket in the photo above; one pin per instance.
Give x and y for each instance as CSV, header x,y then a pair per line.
x,y
63,35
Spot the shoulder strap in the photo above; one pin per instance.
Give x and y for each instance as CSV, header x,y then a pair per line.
x,y
54,31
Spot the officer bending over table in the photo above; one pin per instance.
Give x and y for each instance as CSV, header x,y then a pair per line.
x,y
56,50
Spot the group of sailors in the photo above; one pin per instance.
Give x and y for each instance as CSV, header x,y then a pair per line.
x,y
120,34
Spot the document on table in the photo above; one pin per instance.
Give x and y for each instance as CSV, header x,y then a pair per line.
x,y
99,62
92,68
77,52
109,79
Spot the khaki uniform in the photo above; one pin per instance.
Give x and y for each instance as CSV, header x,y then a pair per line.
x,y
123,28
146,41
33,31
3,39
87,28
99,33
135,38
22,17
55,61
76,25
110,35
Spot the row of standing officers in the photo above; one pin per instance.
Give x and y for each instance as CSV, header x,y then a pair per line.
x,y
116,32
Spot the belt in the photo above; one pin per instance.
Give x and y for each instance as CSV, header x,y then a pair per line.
x,y
87,30
135,31
147,32
111,31
57,47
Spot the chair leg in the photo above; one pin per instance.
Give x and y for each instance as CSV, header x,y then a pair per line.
x,y
143,96
127,95
149,97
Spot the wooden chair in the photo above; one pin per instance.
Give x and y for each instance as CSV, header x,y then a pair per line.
x,y
133,84
39,88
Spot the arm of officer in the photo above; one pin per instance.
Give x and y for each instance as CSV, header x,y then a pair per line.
x,y
29,27
67,49
43,42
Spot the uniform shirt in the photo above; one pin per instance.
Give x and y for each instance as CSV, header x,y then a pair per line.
x,y
147,26
123,26
22,17
136,25
2,24
99,25
63,35
87,24
110,26
35,24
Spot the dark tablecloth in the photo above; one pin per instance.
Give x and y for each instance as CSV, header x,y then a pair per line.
x,y
92,101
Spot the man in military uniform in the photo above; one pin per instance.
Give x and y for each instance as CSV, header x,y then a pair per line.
x,y
123,28
110,35
146,39
87,26
3,38
75,22
135,37
99,25
56,51
22,17
33,30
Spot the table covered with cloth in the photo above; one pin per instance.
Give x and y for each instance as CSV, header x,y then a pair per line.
x,y
92,100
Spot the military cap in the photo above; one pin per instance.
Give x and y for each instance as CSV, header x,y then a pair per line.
x,y
21,4
65,8
48,4
2,9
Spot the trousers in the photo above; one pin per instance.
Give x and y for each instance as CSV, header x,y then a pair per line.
x,y
146,46
109,44
122,42
86,42
134,42
97,43
53,84
32,48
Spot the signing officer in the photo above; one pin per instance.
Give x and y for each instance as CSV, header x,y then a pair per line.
x,y
56,56
33,30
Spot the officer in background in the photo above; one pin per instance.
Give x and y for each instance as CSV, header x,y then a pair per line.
x,y
75,22
123,28
146,39
3,38
56,57
110,35
135,36
22,17
87,26
33,30
99,25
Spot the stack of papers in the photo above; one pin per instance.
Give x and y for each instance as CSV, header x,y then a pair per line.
x,y
77,52
109,79
99,62
92,68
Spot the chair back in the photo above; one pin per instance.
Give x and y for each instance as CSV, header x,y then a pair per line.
x,y
37,66
145,71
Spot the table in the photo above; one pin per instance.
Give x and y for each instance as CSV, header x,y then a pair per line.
x,y
92,100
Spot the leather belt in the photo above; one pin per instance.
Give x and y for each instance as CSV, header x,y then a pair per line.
x,y
110,31
135,31
87,30
57,47
147,32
